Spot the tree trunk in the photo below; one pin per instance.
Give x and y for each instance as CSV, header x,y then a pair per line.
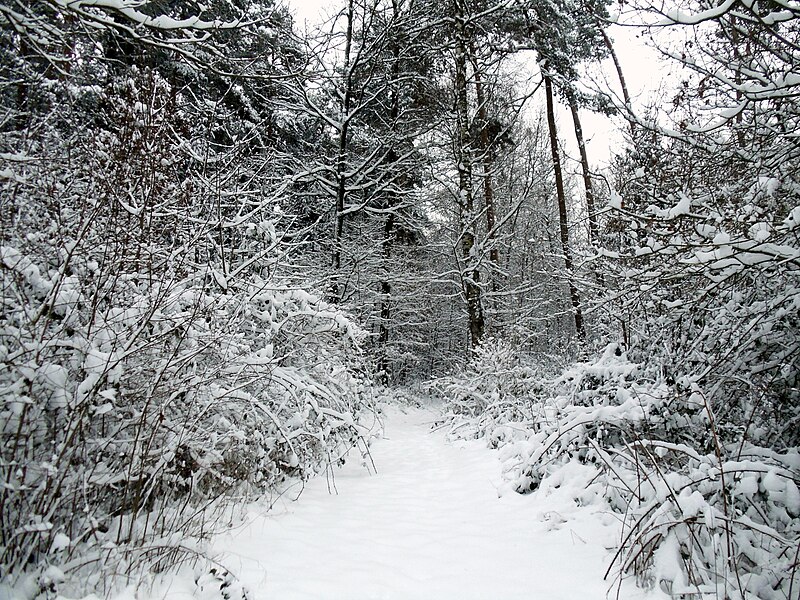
x,y
621,76
341,159
562,210
384,284
470,276
587,177
486,175
386,306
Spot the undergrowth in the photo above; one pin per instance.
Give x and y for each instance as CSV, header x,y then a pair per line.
x,y
704,514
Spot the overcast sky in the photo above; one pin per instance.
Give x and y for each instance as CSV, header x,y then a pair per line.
x,y
307,10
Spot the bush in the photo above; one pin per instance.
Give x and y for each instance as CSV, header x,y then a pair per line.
x,y
159,359
495,390
699,515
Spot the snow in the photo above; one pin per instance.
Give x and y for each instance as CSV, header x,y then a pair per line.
x,y
675,15
793,219
668,561
159,22
683,207
772,483
60,541
96,362
436,521
54,378
691,503
770,185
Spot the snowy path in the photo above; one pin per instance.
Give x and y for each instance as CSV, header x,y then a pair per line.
x,y
429,525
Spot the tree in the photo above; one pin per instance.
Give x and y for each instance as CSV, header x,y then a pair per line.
x,y
470,275
560,49
369,97
562,211
478,36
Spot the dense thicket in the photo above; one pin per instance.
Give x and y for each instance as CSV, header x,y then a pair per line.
x,y
162,355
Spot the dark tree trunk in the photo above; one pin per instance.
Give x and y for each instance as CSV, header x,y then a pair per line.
x,y
384,284
486,175
341,161
386,304
470,276
562,211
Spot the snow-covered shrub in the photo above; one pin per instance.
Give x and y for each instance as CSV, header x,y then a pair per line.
x,y
496,388
701,257
171,393
698,514
161,358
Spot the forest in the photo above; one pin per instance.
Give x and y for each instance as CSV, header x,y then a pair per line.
x,y
225,240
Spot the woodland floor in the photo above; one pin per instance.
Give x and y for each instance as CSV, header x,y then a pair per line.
x,y
434,522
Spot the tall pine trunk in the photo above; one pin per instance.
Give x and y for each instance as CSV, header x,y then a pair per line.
x,y
587,177
562,211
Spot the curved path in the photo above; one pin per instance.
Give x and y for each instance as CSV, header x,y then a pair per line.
x,y
432,524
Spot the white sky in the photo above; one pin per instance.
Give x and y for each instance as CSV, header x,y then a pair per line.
x,y
644,76
310,11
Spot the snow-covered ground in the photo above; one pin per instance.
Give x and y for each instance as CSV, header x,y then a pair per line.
x,y
434,523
